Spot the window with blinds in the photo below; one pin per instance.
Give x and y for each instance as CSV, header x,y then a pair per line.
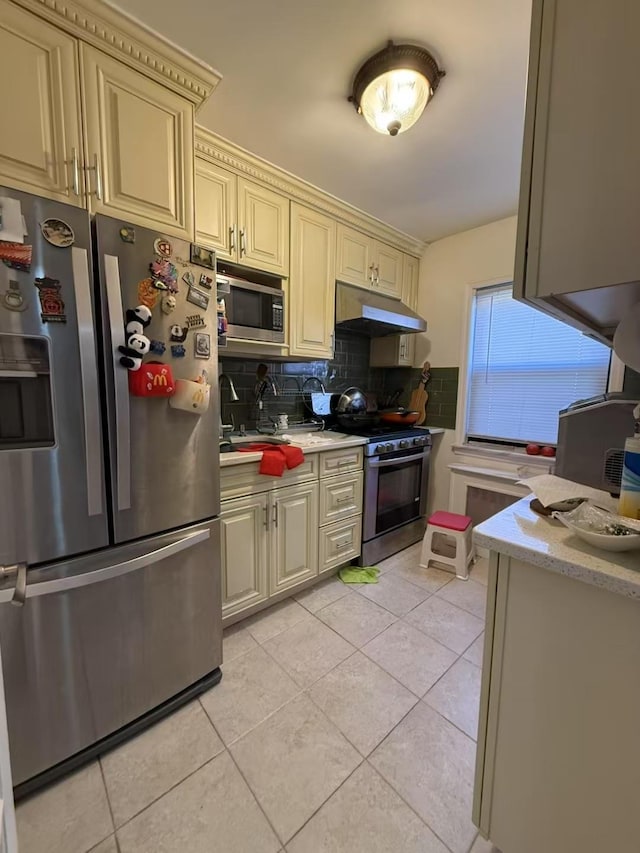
x,y
524,367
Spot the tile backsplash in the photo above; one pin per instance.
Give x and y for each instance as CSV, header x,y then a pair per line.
x,y
350,366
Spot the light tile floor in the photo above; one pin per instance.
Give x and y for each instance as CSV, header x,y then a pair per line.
x,y
345,722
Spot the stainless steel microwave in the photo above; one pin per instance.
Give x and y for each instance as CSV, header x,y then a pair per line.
x,y
254,311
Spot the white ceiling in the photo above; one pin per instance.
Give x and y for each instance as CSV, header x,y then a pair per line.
x,y
287,66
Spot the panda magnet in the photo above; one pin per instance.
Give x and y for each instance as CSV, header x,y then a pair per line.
x,y
137,343
178,334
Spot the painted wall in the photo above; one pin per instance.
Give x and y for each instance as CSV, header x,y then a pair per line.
x,y
448,267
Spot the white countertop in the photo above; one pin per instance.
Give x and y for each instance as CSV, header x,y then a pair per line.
x,y
518,532
321,441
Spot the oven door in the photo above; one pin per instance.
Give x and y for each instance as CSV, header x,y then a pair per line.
x,y
395,491
254,312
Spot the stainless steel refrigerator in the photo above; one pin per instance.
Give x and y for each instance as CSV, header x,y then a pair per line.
x,y
108,501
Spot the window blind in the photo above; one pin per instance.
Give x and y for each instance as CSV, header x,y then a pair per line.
x,y
524,367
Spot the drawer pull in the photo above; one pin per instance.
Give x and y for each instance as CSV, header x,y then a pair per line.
x,y
347,499
342,545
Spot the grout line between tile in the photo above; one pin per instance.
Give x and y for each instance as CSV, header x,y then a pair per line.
x,y
451,723
164,794
324,802
408,805
344,735
106,791
251,791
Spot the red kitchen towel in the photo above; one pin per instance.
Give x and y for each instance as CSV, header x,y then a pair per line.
x,y
293,455
275,457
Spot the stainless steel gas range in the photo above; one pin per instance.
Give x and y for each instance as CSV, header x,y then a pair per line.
x,y
396,480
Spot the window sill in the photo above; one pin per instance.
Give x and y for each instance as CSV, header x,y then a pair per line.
x,y
517,457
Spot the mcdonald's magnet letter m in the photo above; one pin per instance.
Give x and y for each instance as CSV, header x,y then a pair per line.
x,y
154,379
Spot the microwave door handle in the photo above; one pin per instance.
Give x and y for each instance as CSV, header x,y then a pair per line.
x,y
115,570
88,379
120,383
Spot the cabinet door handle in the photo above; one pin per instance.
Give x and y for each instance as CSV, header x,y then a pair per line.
x,y
377,275
243,244
266,517
275,515
232,238
75,170
371,271
98,170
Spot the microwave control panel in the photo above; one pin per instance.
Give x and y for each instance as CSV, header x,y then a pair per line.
x,y
278,314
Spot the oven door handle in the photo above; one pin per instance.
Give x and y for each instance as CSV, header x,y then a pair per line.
x,y
387,463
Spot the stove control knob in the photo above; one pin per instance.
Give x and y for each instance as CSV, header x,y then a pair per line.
x,y
417,441
403,445
379,448
387,447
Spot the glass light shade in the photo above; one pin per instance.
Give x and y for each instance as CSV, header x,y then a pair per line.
x,y
394,101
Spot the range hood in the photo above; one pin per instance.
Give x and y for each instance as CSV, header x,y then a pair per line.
x,y
369,313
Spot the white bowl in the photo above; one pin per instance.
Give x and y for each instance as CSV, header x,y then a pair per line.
x,y
602,540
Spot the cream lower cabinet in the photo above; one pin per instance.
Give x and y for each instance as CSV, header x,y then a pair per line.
x,y
244,537
341,491
558,747
312,283
245,222
294,536
278,537
269,543
41,137
139,146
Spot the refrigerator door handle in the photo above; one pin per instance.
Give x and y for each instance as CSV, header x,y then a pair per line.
x,y
116,570
89,380
120,383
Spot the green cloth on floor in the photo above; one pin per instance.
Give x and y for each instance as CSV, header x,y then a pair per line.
x,y
354,574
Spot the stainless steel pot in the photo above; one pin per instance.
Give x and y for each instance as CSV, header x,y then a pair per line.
x,y
352,402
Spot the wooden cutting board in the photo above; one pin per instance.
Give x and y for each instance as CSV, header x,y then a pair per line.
x,y
420,397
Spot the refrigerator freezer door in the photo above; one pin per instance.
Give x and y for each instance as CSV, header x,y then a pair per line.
x,y
164,461
80,661
52,488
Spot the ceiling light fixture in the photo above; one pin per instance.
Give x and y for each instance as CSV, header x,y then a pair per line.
x,y
394,86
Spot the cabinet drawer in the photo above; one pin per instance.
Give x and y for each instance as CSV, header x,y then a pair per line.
x,y
239,480
340,497
339,461
339,543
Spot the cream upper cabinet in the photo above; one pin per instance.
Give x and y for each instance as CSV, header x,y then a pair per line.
x,y
577,248
139,146
388,270
392,351
294,549
263,228
244,221
312,283
216,209
354,257
244,552
40,139
410,277
399,350
366,262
